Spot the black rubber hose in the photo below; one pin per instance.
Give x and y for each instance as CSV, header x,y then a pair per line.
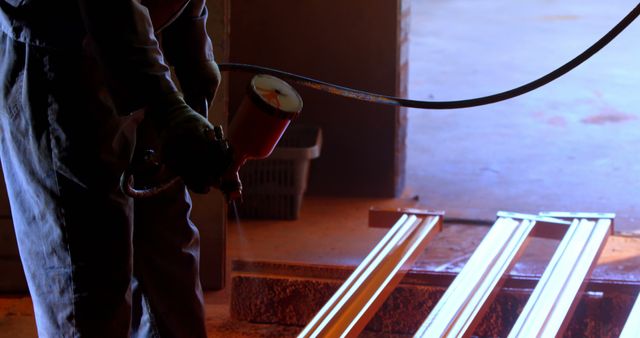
x,y
396,101
127,179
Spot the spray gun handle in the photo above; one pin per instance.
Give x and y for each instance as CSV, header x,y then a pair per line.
x,y
149,160
204,108
231,187
148,164
230,183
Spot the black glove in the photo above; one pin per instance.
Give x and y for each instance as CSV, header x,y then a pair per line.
x,y
190,147
199,82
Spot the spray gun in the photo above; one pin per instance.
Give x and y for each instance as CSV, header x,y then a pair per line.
x,y
271,104
263,116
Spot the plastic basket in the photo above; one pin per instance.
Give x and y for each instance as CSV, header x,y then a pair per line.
x,y
273,188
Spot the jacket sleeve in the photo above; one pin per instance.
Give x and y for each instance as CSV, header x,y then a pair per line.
x,y
121,35
186,40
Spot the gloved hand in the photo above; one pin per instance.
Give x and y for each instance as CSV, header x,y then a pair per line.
x,y
190,148
199,83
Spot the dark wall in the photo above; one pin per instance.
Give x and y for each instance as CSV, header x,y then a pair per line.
x,y
13,279
356,43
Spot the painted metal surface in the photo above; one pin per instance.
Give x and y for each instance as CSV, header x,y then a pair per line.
x,y
467,298
632,327
360,296
552,302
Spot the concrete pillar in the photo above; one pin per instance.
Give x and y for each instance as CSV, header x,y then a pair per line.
x,y
209,211
358,43
13,279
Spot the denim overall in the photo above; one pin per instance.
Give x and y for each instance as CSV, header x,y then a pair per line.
x,y
97,263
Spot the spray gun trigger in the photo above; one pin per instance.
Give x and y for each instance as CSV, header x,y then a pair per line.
x,y
219,134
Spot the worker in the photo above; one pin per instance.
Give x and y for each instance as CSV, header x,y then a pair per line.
x,y
79,78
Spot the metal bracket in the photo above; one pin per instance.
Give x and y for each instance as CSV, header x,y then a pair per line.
x,y
592,216
546,226
548,219
386,217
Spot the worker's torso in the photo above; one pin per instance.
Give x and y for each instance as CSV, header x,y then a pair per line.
x,y
58,23
53,23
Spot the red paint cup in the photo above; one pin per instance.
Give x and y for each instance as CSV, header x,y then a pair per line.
x,y
264,114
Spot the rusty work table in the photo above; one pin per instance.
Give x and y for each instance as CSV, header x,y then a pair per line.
x,y
289,291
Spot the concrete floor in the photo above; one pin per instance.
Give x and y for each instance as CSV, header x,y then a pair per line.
x,y
569,146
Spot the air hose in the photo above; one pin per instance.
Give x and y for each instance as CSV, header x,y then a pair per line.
x,y
127,179
474,102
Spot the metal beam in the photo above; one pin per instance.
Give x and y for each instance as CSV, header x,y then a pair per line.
x,y
357,300
461,307
632,326
387,217
552,302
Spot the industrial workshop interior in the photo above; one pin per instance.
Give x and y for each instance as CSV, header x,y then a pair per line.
x,y
516,218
